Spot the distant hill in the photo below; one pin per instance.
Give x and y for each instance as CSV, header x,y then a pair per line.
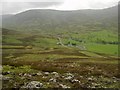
x,y
63,21
9,32
3,17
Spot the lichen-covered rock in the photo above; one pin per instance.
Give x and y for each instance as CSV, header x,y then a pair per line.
x,y
53,80
75,81
55,74
39,73
46,73
33,84
69,78
63,86
69,74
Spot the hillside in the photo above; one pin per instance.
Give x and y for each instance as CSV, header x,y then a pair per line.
x,y
60,49
63,21
10,32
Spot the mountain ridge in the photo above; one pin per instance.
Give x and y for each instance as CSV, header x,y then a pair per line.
x,y
47,20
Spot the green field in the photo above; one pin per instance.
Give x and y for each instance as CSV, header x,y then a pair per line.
x,y
103,49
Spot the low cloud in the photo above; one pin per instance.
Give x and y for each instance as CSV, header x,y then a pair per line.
x,y
15,7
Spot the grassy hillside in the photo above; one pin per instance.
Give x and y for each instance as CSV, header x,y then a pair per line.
x,y
53,21
100,41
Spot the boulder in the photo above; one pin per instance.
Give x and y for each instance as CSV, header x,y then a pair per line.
x,y
55,74
39,73
46,73
75,81
34,84
53,80
69,78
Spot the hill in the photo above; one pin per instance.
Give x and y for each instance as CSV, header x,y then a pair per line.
x,y
63,21
9,32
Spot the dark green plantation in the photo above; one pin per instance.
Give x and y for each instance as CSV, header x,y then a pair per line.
x,y
58,49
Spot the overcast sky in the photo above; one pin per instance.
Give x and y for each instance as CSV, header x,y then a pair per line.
x,y
16,6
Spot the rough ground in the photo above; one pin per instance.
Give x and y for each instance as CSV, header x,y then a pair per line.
x,y
58,68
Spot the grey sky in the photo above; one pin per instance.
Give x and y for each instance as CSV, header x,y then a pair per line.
x,y
16,6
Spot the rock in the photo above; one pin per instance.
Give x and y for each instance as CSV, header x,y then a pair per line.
x,y
63,86
44,77
90,79
46,73
5,73
75,81
81,76
17,84
34,84
117,79
21,74
100,76
39,73
23,77
69,78
69,74
113,77
5,78
53,80
27,75
56,74
95,85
